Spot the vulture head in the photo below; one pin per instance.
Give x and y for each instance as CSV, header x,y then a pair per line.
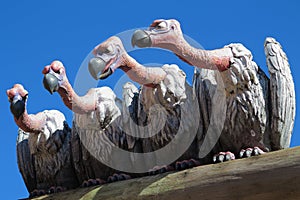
x,y
54,76
111,55
108,57
161,33
17,97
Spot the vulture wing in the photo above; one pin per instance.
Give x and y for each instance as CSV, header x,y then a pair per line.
x,y
282,95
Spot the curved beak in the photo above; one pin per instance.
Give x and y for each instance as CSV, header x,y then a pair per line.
x,y
97,68
141,39
50,83
17,106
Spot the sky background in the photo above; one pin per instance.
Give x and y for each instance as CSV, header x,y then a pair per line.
x,y
34,33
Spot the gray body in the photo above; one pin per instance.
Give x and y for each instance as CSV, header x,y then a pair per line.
x,y
260,111
44,159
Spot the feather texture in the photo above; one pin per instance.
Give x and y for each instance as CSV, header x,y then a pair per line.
x,y
44,159
282,95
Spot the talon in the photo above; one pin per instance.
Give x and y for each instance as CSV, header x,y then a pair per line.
x,y
186,164
177,166
229,156
85,184
219,157
100,181
255,151
223,157
92,182
242,152
151,173
248,152
34,193
126,177
160,170
194,163
258,151
51,190
59,189
41,192
121,177
111,179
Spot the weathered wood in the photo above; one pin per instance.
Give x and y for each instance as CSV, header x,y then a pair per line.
x,y
274,175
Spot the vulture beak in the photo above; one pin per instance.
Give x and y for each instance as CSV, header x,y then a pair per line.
x,y
17,106
141,39
50,83
97,68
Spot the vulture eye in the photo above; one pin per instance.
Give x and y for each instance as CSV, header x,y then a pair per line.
x,y
108,50
161,25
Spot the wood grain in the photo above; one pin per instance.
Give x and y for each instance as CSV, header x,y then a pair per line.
x,y
274,175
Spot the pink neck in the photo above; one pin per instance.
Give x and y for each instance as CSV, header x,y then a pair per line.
x,y
141,74
77,104
31,123
218,59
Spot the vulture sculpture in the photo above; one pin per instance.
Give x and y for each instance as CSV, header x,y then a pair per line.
x,y
93,125
260,111
165,86
43,147
130,124
233,109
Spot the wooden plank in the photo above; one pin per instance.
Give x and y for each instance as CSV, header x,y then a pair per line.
x,y
274,175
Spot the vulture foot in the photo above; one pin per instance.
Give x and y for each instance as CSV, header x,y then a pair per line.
x,y
36,193
251,152
160,170
57,189
92,182
186,164
223,157
118,177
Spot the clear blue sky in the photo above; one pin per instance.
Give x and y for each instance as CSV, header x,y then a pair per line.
x,y
34,33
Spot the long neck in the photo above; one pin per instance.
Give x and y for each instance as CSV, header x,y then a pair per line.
x,y
141,74
218,59
31,123
78,104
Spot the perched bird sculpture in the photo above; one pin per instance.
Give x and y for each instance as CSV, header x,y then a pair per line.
x,y
260,111
165,86
100,112
93,123
43,147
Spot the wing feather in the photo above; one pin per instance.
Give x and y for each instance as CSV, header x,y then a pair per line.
x,y
282,95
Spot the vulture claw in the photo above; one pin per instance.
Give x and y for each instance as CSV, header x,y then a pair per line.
x,y
36,193
54,189
246,153
118,177
160,170
92,182
186,164
223,157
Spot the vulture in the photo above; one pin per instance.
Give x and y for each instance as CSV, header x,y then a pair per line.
x,y
259,111
163,100
140,124
93,129
43,147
